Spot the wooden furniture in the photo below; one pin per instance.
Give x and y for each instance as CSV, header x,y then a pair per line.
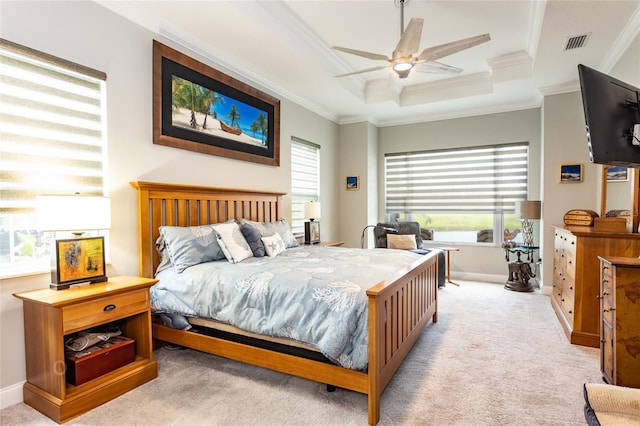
x,y
576,277
50,316
398,309
326,244
448,250
620,320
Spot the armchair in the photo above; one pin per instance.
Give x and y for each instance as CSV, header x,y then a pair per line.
x,y
409,228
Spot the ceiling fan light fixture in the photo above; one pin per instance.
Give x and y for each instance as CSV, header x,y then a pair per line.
x,y
402,68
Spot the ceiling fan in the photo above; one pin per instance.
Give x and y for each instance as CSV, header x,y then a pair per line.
x,y
404,58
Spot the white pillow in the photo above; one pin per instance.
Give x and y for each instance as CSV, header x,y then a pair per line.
x,y
273,245
403,242
232,242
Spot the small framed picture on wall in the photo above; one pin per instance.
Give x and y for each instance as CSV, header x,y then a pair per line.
x,y
353,183
570,173
617,174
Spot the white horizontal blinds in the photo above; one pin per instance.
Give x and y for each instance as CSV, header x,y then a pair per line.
x,y
305,179
52,120
486,179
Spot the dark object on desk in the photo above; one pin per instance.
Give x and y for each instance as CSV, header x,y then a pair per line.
x,y
520,271
409,228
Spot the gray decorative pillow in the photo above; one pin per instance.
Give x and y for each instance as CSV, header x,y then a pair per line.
x,y
188,246
252,236
281,226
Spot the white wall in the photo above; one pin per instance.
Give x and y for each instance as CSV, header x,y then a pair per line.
x,y
90,35
519,126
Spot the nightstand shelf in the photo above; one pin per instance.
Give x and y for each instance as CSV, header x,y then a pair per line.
x,y
50,316
326,244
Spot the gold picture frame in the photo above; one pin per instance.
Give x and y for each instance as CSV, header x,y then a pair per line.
x,y
78,261
570,173
353,183
617,174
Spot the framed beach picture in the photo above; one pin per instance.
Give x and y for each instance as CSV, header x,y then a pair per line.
x,y
78,260
198,108
617,174
570,173
353,183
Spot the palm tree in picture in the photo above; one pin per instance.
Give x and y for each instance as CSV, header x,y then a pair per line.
x,y
263,122
208,98
183,95
234,115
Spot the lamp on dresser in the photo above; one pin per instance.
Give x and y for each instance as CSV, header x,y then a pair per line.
x,y
77,259
528,211
312,227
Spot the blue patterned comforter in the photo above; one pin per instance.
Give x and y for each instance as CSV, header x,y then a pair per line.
x,y
311,295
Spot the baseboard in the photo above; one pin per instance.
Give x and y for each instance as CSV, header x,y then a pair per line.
x,y
11,395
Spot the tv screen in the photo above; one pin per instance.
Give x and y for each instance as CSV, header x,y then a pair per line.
x,y
610,112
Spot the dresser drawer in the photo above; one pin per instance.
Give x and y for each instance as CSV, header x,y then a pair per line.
x,y
84,315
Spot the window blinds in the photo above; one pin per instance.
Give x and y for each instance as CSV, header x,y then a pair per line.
x,y
305,179
52,128
486,179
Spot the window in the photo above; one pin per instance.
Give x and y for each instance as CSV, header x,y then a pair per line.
x,y
461,195
52,141
305,179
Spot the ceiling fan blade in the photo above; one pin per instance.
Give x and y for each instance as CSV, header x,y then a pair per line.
x,y
368,55
437,52
437,68
363,71
410,41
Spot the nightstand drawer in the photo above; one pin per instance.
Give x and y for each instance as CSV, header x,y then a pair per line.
x,y
84,315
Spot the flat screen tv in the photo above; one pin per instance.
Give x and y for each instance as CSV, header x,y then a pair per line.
x,y
611,111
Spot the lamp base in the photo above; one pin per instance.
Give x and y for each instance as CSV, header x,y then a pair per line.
x,y
312,232
527,232
64,286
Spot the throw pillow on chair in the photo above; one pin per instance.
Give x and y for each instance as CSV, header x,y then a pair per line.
x,y
402,242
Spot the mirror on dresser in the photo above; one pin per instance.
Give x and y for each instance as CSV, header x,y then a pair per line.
x,y
620,192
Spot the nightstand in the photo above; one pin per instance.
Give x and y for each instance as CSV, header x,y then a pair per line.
x,y
326,244
50,316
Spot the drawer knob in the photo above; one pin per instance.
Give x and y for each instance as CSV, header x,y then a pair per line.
x,y
109,307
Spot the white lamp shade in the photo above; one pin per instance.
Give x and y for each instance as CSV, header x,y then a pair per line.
x,y
73,213
312,210
528,209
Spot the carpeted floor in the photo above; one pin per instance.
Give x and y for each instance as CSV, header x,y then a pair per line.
x,y
495,357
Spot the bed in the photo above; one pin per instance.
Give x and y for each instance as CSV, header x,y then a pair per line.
x,y
398,308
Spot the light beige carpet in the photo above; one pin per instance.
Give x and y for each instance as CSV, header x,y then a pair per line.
x,y
495,357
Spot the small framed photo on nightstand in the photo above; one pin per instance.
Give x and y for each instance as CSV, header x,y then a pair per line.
x,y
78,260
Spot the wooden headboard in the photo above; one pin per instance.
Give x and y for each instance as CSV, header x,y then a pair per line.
x,y
186,205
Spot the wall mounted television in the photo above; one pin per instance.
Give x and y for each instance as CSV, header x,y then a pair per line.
x,y
611,111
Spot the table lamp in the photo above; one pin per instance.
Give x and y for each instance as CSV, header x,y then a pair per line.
x,y
77,260
527,211
312,227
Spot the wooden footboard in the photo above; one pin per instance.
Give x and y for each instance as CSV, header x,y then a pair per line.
x,y
399,309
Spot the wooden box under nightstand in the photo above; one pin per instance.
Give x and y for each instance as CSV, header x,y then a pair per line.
x,y
51,315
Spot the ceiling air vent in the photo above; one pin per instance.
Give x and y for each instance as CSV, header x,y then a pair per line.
x,y
576,41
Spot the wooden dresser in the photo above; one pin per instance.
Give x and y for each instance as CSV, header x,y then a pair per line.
x,y
576,277
620,320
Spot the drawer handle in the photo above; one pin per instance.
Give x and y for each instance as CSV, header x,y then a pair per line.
x,y
109,307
